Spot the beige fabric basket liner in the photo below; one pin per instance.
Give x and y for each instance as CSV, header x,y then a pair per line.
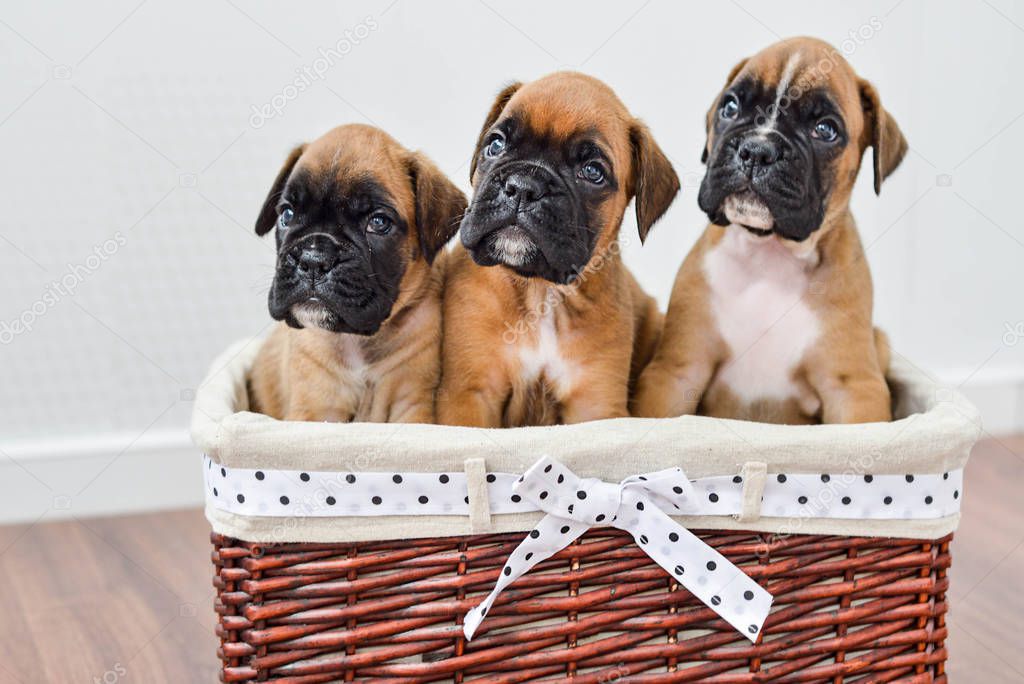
x,y
934,433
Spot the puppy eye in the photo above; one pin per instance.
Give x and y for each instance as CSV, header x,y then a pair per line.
x,y
379,224
826,130
495,147
730,108
593,172
286,216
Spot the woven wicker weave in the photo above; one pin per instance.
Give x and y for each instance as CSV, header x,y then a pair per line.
x,y
846,610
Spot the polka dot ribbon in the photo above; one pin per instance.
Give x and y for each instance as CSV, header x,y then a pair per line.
x,y
636,505
301,494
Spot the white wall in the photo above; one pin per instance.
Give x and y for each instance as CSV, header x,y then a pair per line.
x,y
129,129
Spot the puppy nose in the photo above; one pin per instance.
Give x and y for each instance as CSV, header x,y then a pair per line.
x,y
521,188
758,152
312,262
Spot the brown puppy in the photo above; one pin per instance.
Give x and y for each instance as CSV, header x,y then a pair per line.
x,y
770,317
548,326
359,222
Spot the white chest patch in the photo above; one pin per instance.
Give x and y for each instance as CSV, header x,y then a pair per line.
x,y
757,287
356,372
543,358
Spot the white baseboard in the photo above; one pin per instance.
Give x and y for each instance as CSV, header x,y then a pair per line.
x,y
98,475
998,393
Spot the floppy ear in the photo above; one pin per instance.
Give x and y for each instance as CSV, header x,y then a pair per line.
x,y
714,108
439,205
268,214
655,182
499,104
884,135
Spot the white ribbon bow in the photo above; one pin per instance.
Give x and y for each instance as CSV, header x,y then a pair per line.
x,y
636,505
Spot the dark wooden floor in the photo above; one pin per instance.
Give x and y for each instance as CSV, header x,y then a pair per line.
x,y
129,599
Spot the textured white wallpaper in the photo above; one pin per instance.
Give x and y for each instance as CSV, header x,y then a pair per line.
x,y
138,141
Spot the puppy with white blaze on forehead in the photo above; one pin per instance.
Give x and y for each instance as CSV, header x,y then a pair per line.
x,y
771,312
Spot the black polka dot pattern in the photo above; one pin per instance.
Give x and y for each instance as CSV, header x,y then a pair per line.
x,y
821,495
573,505
862,496
399,493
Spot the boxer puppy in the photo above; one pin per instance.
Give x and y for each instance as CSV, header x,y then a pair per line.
x,y
359,221
543,322
770,316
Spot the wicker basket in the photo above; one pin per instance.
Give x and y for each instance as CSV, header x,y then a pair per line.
x,y
325,598
848,609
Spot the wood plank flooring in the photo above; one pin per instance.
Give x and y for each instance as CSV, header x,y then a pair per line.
x,y
129,599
